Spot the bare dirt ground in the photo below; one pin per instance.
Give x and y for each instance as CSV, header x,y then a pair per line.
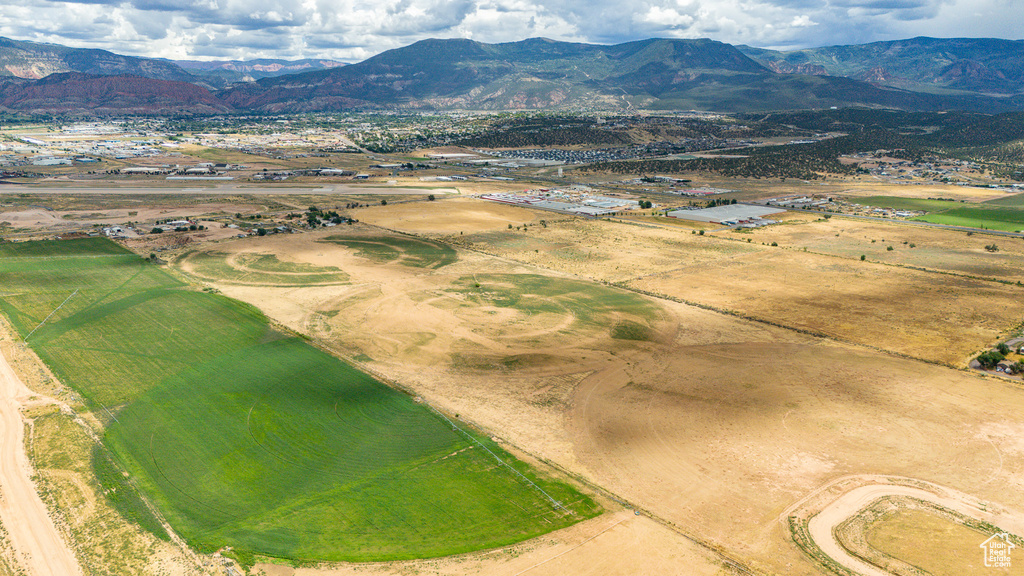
x,y
39,548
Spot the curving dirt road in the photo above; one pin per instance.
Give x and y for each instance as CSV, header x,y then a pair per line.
x,y
822,526
38,546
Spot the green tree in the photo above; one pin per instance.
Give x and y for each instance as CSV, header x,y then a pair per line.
x,y
990,358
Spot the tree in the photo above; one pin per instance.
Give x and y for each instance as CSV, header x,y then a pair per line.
x,y
990,358
1003,348
383,202
261,231
431,197
156,230
863,257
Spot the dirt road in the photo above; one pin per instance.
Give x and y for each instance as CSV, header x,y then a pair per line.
x,y
39,548
822,526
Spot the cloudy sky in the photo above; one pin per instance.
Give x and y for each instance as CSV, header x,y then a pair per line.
x,y
351,30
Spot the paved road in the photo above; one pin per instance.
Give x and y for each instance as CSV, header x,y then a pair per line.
x,y
233,189
38,546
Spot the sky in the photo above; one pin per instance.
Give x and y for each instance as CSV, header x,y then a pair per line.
x,y
352,30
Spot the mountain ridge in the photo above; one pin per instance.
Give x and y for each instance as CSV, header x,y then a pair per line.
x,y
924,74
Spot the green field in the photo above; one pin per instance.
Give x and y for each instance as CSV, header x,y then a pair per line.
x,y
590,305
253,269
1006,219
246,437
1015,201
414,252
1003,214
898,203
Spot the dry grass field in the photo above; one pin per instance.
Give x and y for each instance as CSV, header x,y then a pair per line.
x,y
711,423
926,539
934,248
937,317
826,290
448,217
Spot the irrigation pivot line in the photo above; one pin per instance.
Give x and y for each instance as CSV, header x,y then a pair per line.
x,y
555,503
51,314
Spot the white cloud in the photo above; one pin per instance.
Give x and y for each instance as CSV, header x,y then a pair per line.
x,y
355,29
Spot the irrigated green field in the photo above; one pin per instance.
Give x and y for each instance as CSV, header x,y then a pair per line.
x,y
1003,214
901,203
1005,219
415,252
246,437
256,269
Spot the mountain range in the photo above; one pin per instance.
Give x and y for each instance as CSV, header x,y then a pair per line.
x,y
984,75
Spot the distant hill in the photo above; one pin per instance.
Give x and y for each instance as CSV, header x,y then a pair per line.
x,y
985,65
226,72
540,73
920,74
74,92
34,60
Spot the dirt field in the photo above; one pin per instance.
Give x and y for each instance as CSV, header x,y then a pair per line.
x,y
934,248
923,314
932,316
450,216
605,251
969,193
716,424
940,546
38,547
